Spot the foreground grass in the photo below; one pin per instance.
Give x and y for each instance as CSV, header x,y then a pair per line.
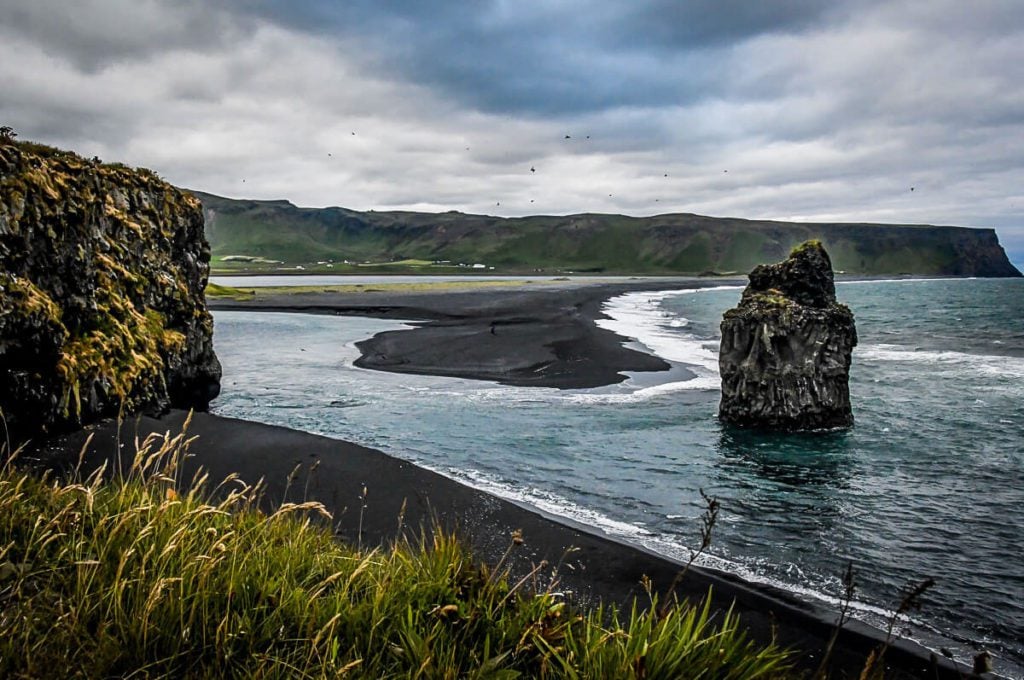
x,y
127,578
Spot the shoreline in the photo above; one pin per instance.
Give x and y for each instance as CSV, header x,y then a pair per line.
x,y
465,315
592,566
538,333
533,336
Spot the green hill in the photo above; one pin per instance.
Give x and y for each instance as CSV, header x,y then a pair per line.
x,y
679,243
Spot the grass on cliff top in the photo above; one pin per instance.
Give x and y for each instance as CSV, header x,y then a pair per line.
x,y
143,576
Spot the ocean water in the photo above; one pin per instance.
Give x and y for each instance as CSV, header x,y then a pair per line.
x,y
929,482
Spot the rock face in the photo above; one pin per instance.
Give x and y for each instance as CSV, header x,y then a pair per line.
x,y
785,353
102,270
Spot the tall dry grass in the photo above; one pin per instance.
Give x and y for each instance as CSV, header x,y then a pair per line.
x,y
144,574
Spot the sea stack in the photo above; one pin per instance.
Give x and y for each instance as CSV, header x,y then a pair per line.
x,y
102,312
785,353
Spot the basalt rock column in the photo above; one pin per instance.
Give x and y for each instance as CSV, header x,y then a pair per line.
x,y
785,353
102,270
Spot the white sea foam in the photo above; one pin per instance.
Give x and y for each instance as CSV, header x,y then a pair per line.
x,y
752,572
632,396
641,317
545,501
940,360
349,353
670,547
861,282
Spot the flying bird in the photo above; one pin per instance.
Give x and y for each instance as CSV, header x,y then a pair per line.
x,y
911,188
568,137
533,169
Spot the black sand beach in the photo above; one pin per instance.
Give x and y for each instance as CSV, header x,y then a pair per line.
x,y
403,498
541,336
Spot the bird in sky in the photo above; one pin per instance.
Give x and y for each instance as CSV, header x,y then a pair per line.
x,y
533,169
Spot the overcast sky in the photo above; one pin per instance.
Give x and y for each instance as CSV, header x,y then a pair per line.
x,y
810,110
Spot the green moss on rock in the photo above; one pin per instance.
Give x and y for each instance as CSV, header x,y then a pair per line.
x,y
807,247
102,270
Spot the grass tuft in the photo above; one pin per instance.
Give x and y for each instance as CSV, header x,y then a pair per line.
x,y
146,574
215,290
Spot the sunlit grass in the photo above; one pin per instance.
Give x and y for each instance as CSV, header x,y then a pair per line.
x,y
150,575
215,290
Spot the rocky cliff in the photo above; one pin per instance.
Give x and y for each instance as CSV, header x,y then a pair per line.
x,y
102,270
678,243
785,352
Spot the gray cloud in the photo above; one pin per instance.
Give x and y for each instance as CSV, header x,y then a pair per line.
x,y
799,113
701,23
92,34
565,58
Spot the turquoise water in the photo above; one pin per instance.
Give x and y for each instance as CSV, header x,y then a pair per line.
x,y
930,481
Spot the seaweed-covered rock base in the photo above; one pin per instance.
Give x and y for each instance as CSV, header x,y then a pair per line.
x,y
102,270
785,353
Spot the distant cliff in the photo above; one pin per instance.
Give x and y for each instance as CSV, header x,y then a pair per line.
x,y
663,244
102,270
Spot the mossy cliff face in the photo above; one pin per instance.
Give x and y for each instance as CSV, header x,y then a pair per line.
x,y
785,353
102,270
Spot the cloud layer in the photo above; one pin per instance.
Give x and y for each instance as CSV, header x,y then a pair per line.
x,y
805,111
